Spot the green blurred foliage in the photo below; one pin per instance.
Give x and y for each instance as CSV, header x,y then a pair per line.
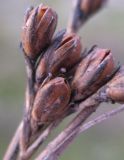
x,y
105,141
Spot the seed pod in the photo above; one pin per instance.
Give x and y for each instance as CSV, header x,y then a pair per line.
x,y
89,7
51,101
92,73
38,29
41,71
83,10
65,54
115,88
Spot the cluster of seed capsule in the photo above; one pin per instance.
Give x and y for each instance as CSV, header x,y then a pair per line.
x,y
63,74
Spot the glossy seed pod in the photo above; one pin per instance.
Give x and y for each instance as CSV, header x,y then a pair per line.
x,y
92,72
115,88
37,31
65,54
51,101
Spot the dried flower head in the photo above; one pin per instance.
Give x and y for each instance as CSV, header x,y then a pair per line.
x,y
51,101
63,55
38,29
92,72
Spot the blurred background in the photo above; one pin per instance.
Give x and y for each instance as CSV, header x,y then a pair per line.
x,y
106,29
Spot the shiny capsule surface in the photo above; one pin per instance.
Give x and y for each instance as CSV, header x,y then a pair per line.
x,y
63,55
51,101
91,73
37,31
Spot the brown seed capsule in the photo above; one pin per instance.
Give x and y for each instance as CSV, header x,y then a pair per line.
x,y
115,88
83,10
51,101
38,29
65,54
91,73
89,7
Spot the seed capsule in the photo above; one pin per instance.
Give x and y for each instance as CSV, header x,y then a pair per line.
x,y
65,54
91,73
115,88
89,7
83,10
38,29
51,101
